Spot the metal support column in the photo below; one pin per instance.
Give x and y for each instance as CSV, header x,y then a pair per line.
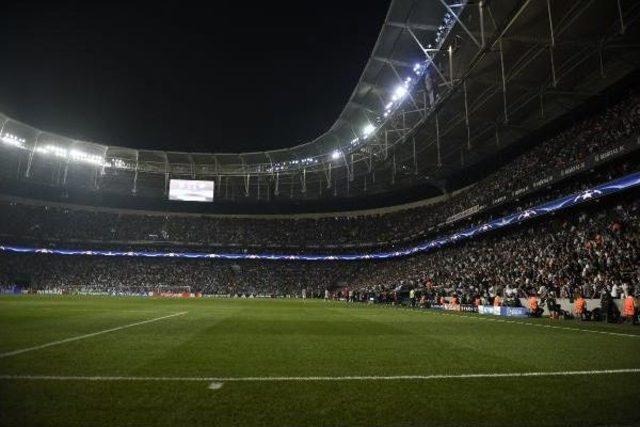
x,y
552,45
351,174
258,194
166,173
450,51
415,158
304,180
348,185
393,169
504,82
134,189
622,27
292,186
247,183
438,141
386,144
554,81
328,175
27,172
481,13
66,170
98,175
466,114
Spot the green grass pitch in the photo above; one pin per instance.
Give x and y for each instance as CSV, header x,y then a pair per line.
x,y
301,339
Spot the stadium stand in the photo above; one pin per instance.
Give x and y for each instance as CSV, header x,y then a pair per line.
x,y
586,251
590,138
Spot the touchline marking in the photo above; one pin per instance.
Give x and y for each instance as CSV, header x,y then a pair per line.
x,y
219,380
567,328
93,334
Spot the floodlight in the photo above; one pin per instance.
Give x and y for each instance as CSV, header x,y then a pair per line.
x,y
13,140
368,130
399,93
335,155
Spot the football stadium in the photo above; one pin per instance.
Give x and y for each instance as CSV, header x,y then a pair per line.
x,y
432,217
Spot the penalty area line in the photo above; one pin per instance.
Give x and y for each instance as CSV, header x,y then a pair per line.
x,y
93,334
220,380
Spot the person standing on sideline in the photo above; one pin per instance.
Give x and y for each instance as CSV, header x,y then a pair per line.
x,y
497,301
580,308
536,311
614,291
629,309
605,305
554,310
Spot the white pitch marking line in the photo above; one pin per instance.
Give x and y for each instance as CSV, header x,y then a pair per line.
x,y
93,334
215,386
567,328
218,380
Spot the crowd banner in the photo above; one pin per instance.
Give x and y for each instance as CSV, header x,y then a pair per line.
x,y
11,290
455,307
503,311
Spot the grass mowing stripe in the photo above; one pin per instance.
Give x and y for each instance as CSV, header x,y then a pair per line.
x,y
324,378
93,334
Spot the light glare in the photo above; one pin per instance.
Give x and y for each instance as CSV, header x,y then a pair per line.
x,y
368,130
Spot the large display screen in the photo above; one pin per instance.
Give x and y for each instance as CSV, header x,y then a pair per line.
x,y
190,190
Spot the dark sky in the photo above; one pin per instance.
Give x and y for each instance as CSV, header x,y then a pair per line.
x,y
225,76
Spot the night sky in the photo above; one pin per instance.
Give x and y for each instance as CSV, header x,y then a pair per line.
x,y
227,76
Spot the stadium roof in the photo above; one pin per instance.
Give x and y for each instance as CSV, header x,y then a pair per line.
x,y
447,84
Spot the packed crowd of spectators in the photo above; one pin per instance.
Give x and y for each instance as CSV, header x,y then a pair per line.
x,y
580,252
141,276
63,223
586,252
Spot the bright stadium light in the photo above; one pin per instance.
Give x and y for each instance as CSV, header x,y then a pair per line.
x,y
335,155
399,93
14,140
85,157
368,130
54,150
73,154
